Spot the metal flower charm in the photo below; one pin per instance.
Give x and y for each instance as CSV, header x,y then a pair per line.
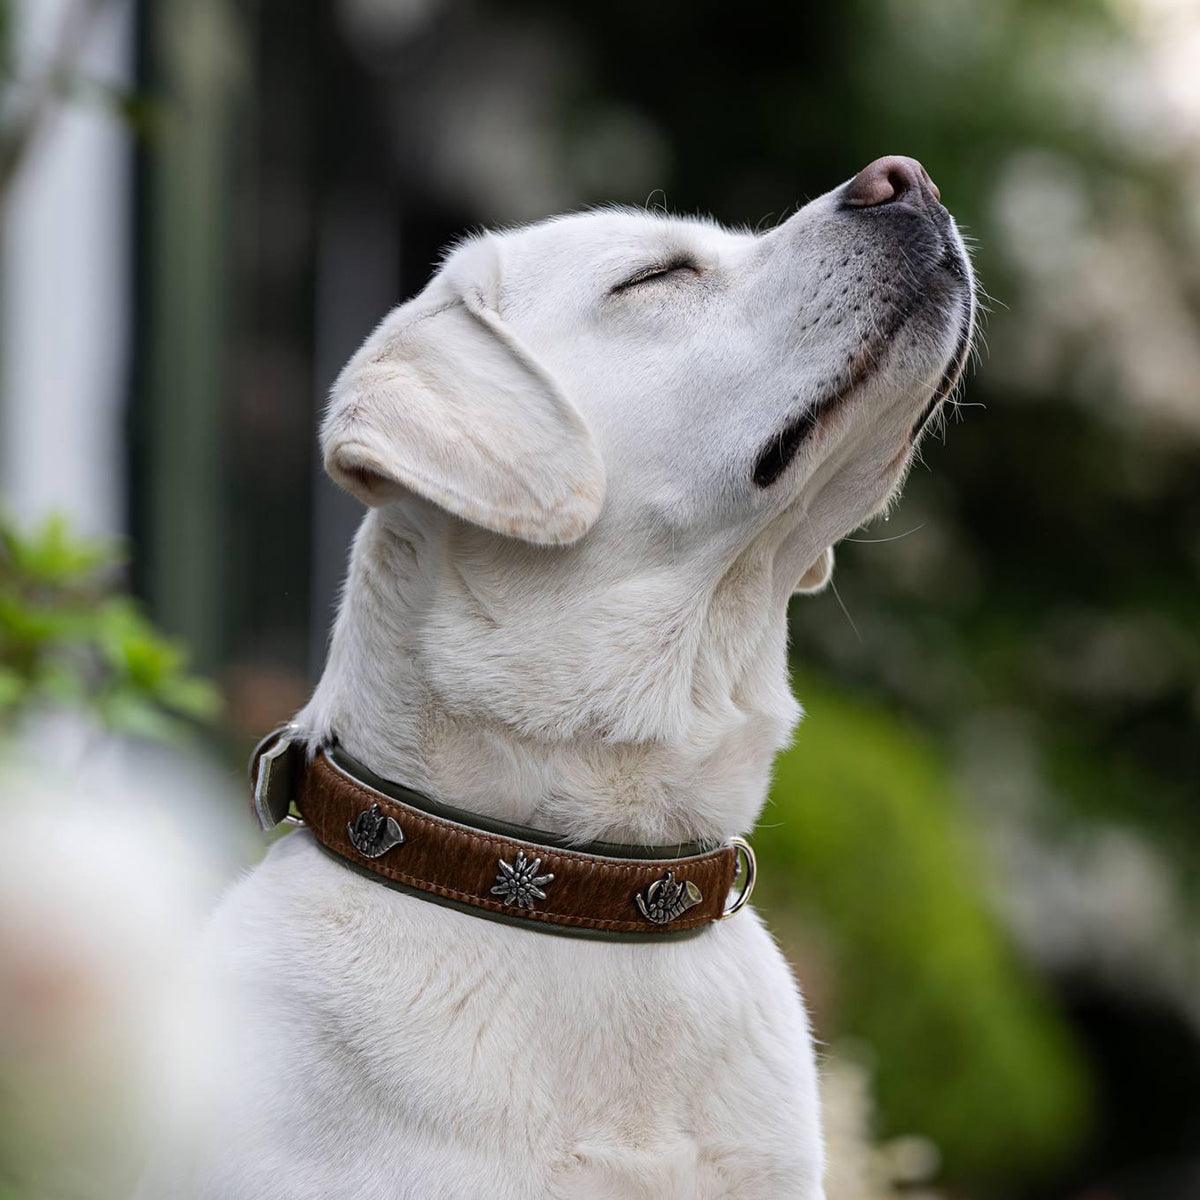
x,y
372,834
519,882
665,899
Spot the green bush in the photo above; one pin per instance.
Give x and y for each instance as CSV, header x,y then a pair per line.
x,y
864,841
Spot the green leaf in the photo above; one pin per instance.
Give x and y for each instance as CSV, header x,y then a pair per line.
x,y
190,696
51,554
13,688
67,639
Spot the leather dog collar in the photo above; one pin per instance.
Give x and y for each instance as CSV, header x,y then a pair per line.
x,y
493,868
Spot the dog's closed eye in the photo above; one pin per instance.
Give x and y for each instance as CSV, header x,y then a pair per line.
x,y
658,271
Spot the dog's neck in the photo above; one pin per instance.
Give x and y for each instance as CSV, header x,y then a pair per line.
x,y
542,688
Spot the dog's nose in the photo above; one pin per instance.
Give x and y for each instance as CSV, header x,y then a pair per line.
x,y
889,179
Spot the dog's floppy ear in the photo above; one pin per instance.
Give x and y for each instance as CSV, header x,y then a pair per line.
x,y
818,575
442,400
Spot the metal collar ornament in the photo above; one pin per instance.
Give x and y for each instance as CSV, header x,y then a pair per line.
x,y
491,868
519,882
372,834
668,898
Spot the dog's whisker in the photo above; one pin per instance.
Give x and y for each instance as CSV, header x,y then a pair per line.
x,y
845,611
878,541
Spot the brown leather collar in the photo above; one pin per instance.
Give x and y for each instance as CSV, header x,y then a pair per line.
x,y
491,868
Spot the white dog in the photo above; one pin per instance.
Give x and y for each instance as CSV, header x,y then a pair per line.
x,y
601,452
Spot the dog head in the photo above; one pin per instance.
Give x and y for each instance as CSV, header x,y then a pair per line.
x,y
639,378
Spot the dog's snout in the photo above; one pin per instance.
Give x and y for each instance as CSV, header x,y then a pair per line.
x,y
887,180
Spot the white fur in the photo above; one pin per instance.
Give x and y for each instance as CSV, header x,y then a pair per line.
x,y
567,609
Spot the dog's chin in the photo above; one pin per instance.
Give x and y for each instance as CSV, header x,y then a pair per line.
x,y
951,373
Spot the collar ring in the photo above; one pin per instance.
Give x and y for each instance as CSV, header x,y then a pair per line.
x,y
745,855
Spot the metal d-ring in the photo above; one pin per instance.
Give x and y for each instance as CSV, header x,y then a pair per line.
x,y
746,852
272,747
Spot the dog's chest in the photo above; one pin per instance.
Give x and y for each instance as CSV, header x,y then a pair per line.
x,y
602,1069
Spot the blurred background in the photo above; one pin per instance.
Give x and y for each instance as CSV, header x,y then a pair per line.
x,y
982,854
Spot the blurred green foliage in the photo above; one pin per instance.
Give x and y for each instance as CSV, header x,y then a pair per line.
x,y
67,638
866,840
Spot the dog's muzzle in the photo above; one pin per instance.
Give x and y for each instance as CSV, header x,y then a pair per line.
x,y
491,868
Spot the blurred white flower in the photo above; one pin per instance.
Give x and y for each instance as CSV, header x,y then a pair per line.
x,y
860,1168
111,854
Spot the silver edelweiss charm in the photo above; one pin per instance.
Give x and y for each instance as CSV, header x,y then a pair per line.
x,y
666,898
372,834
519,882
